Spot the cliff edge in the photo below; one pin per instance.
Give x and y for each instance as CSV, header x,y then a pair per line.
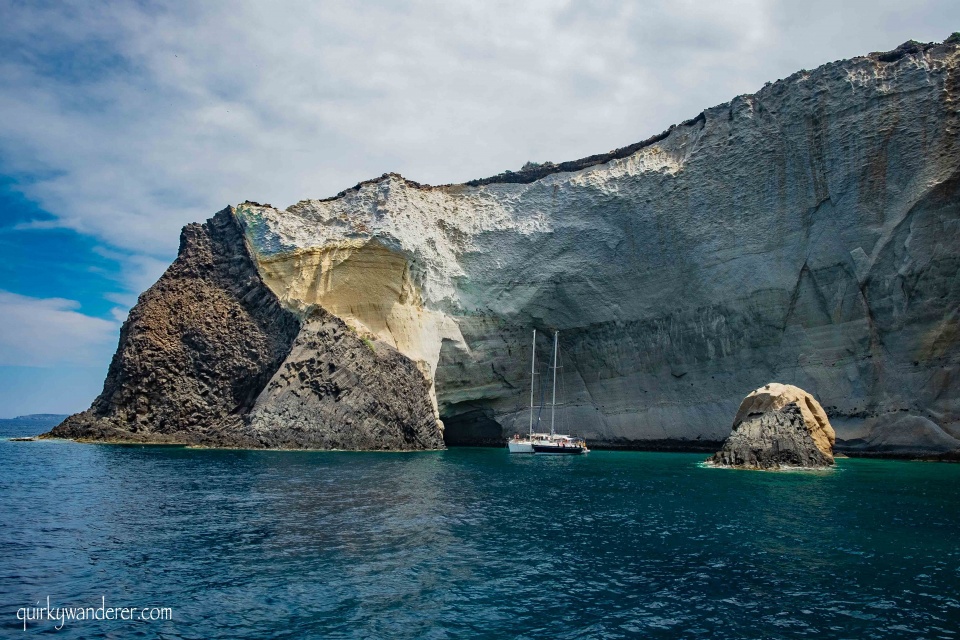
x,y
208,357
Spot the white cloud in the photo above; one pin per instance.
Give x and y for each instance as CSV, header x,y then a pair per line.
x,y
46,332
137,273
132,119
126,120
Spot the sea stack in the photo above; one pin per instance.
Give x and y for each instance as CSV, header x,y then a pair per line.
x,y
778,425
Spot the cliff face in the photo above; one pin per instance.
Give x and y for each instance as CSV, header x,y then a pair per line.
x,y
809,233
195,351
338,390
209,357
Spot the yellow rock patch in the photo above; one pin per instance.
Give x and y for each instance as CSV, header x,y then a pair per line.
x,y
368,286
775,396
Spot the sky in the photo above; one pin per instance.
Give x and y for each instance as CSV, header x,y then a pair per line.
x,y
122,121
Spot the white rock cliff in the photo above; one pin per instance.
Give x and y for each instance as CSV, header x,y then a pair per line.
x,y
809,233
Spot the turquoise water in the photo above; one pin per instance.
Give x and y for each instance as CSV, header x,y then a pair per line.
x,y
475,543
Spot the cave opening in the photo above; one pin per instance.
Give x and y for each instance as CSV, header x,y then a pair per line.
x,y
471,425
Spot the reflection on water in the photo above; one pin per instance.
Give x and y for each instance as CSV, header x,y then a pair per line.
x,y
476,542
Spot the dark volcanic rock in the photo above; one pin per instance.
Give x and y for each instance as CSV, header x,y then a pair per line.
x,y
778,425
771,440
196,350
337,390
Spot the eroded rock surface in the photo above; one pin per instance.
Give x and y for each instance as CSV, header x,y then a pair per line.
x,y
904,435
809,232
338,390
196,350
778,426
200,347
775,396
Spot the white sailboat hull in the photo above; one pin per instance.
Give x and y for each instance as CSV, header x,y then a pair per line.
x,y
545,443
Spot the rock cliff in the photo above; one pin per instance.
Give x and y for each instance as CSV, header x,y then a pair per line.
x,y
778,426
208,357
195,351
338,390
808,233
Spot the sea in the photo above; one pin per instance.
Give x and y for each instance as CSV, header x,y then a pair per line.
x,y
469,543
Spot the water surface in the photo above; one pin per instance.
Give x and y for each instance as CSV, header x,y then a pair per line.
x,y
475,543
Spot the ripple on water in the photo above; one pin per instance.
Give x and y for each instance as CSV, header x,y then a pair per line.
x,y
475,542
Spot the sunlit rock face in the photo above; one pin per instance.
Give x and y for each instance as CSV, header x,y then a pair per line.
x,y
209,357
195,351
778,426
336,390
809,233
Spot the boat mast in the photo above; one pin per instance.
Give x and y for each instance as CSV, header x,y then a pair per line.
x,y
553,403
533,373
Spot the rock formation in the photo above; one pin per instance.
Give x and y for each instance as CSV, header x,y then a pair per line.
x,y
199,348
338,390
809,232
195,351
778,426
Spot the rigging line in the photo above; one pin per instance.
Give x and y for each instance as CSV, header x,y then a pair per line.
x,y
563,395
540,412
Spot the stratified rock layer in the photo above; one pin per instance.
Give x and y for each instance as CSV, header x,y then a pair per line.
x,y
905,436
337,390
778,425
808,233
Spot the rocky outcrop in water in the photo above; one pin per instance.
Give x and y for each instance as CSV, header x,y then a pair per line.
x,y
195,351
778,426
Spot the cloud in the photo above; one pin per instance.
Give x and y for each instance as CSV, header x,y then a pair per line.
x,y
137,273
127,120
36,225
124,120
48,332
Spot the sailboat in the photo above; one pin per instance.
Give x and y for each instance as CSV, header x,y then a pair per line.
x,y
546,443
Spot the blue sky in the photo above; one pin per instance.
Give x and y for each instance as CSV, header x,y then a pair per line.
x,y
122,121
